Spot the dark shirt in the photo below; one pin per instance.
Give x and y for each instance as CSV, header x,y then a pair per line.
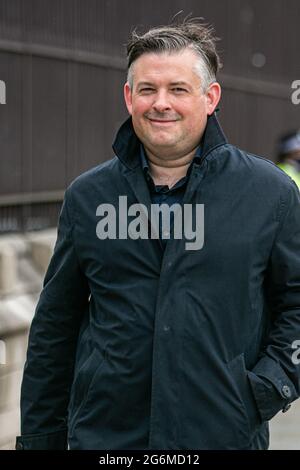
x,y
162,193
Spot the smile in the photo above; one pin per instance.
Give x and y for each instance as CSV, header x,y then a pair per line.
x,y
162,123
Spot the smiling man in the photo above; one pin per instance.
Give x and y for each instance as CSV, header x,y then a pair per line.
x,y
137,342
169,101
169,104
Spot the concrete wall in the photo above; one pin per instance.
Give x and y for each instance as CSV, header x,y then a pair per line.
x,y
23,261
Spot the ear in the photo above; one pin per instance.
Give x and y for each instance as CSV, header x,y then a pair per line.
x,y
128,97
213,95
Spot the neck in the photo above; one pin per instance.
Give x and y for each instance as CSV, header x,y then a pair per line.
x,y
168,172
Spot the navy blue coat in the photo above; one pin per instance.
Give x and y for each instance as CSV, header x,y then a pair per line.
x,y
133,347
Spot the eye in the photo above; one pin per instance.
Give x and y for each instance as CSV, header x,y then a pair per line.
x,y
179,90
146,90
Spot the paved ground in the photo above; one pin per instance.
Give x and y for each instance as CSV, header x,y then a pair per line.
x,y
285,429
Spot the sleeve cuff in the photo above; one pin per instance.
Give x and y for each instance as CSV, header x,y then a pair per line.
x,y
272,388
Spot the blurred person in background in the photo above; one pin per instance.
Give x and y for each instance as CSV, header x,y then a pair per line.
x,y
143,343
289,155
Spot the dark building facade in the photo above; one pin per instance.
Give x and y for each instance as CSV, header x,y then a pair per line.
x,y
63,64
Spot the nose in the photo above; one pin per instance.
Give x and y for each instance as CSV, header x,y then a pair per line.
x,y
161,102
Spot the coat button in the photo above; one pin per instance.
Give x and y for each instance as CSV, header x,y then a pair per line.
x,y
166,328
19,446
286,408
286,391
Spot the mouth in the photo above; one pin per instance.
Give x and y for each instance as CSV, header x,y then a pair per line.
x,y
162,122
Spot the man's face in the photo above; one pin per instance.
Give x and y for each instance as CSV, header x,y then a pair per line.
x,y
168,107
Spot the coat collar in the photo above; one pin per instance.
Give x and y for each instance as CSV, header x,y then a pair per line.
x,y
127,145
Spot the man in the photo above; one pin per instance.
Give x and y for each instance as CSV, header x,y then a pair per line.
x,y
141,340
289,155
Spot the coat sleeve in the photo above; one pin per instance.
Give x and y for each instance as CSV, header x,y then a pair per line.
x,y
48,370
275,379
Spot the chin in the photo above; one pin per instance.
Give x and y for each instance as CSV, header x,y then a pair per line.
x,y
160,144
163,139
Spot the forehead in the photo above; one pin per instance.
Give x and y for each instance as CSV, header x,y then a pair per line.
x,y
166,66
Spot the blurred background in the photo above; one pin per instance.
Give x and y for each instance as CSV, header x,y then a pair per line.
x,y
62,69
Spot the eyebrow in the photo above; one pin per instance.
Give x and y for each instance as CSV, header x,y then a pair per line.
x,y
180,83
145,84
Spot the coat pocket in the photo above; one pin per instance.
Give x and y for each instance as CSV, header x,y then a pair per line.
x,y
239,375
82,383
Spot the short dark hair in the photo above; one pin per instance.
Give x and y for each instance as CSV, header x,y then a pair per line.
x,y
192,34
